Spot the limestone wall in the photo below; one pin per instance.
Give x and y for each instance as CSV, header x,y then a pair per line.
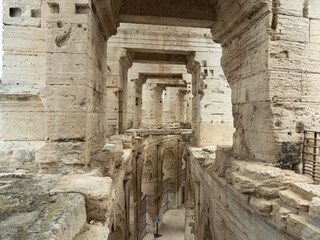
x,y
65,82
230,199
22,114
268,63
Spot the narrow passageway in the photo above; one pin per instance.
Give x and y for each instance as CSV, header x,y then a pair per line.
x,y
172,227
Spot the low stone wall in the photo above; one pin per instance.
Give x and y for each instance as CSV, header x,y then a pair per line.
x,y
233,199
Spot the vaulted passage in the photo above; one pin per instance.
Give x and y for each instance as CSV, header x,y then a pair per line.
x,y
196,120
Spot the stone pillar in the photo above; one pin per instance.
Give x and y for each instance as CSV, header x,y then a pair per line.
x,y
174,107
24,61
138,103
272,68
60,66
152,106
75,84
212,119
119,62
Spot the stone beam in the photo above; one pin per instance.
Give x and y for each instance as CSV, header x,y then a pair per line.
x,y
178,12
149,57
166,21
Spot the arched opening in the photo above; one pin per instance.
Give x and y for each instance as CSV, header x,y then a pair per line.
x,y
170,179
148,201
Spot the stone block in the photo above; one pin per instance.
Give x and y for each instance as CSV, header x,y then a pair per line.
x,y
282,216
294,200
315,30
20,13
24,69
96,190
288,7
300,227
66,126
24,39
67,37
22,118
63,152
261,206
308,190
62,219
127,141
95,231
312,9
66,98
292,28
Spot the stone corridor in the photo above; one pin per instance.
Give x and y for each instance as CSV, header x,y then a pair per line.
x,y
204,114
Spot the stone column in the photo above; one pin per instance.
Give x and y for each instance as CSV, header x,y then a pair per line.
x,y
138,103
118,63
23,80
174,105
152,106
212,119
60,66
272,68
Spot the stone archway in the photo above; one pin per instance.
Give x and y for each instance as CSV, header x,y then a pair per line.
x,y
170,173
148,201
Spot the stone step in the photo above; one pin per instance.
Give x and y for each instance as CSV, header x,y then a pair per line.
x,y
295,200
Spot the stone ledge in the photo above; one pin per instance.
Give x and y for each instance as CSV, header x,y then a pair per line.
x,y
97,191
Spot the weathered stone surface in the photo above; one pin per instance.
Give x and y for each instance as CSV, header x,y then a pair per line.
x,y
68,86
262,206
281,217
299,226
97,191
127,141
306,190
314,210
113,146
294,200
27,211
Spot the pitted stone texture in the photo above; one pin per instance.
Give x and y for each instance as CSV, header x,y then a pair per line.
x,y
27,211
97,191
